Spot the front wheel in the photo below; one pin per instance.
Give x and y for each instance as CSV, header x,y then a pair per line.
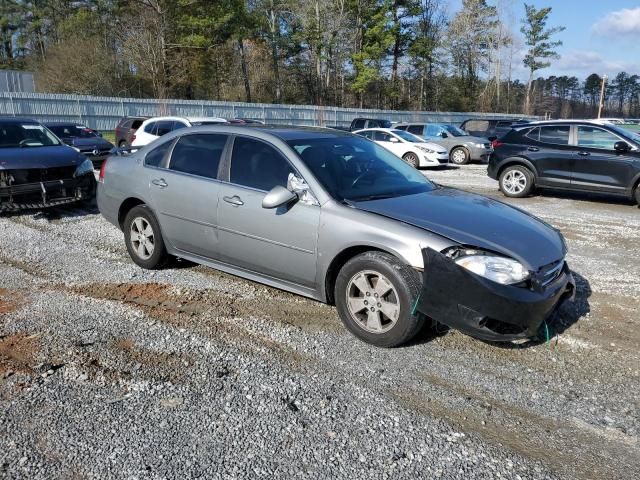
x,y
412,159
459,156
143,238
375,294
516,181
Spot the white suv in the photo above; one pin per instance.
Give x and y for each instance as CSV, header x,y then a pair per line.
x,y
155,127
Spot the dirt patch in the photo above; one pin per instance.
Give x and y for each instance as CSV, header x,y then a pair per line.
x,y
604,453
18,352
165,302
10,301
159,366
24,266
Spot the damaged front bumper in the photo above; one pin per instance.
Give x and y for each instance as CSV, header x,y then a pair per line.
x,y
484,309
46,193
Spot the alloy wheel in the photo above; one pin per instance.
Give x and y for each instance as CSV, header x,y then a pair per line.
x,y
142,238
514,182
373,301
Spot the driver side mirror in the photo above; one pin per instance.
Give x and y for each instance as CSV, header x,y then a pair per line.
x,y
621,147
443,134
393,140
277,197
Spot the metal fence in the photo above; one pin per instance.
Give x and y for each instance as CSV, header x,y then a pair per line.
x,y
103,113
16,81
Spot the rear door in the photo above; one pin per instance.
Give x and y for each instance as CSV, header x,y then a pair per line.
x,y
280,242
597,165
549,150
184,192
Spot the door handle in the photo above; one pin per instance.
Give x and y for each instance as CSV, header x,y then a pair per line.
x,y
236,201
533,149
160,182
584,154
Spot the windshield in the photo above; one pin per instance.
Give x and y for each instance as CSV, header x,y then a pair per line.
x,y
409,137
454,131
623,132
72,131
17,134
354,168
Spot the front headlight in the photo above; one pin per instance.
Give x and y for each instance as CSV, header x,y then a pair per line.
x,y
498,269
425,149
479,145
85,167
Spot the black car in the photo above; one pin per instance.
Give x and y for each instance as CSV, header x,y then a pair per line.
x,y
570,155
38,170
490,128
362,123
87,141
126,129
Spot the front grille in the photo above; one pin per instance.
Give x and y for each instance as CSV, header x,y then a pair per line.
x,y
34,175
549,273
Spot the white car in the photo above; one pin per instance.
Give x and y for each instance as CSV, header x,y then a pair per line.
x,y
610,121
411,148
155,127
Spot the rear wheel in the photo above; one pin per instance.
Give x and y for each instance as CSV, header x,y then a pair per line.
x,y
459,156
412,159
375,294
122,144
516,181
143,238
637,194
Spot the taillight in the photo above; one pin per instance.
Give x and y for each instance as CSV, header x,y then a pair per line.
x,y
496,143
133,137
101,176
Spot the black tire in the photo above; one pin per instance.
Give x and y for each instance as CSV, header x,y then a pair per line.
x,y
406,283
122,144
459,156
412,159
636,195
158,257
517,174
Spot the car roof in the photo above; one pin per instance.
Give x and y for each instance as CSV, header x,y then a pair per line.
x,y
63,124
188,119
18,120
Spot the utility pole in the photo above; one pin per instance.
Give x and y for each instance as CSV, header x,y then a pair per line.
x,y
604,80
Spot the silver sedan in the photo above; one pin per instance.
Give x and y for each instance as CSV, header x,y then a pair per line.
x,y
331,216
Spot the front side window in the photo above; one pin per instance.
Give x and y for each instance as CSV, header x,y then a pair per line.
x,y
154,157
368,134
177,125
74,131
198,154
352,169
358,124
18,134
257,165
409,137
556,135
594,137
382,136
454,131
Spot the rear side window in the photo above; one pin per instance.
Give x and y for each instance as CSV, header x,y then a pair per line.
x,y
556,135
155,156
257,165
125,123
151,128
368,134
198,154
416,129
164,127
135,124
358,124
177,125
594,137
401,127
476,125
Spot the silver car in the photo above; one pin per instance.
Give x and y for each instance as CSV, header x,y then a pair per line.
x,y
337,218
462,147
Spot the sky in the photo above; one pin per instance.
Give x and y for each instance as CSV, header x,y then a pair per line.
x,y
601,36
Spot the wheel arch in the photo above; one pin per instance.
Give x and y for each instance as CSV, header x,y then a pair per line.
x,y
342,258
635,183
125,208
509,162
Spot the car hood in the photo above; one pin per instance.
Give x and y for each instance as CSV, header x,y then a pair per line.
x,y
38,157
477,221
89,143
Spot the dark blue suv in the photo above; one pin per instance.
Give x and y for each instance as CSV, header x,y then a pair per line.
x,y
570,155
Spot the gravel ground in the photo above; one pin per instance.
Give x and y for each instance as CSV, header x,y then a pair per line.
x,y
109,371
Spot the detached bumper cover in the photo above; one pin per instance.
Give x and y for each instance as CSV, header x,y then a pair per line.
x,y
484,309
45,194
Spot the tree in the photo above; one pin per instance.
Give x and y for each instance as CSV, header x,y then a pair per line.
x,y
592,90
538,39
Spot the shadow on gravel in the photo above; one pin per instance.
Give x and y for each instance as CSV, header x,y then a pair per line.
x,y
568,315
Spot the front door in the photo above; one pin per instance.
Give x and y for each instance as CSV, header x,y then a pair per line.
x,y
597,165
548,149
279,242
389,142
185,195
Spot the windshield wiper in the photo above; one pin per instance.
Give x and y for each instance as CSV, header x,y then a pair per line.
x,y
380,196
